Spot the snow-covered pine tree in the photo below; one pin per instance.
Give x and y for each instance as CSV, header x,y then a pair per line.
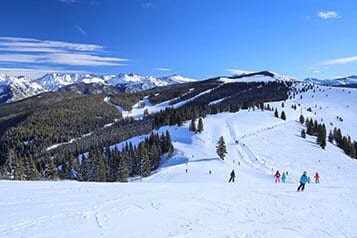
x,y
221,148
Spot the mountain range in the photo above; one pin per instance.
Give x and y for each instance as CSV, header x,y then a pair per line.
x,y
14,88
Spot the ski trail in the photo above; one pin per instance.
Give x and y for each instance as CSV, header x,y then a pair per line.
x,y
246,153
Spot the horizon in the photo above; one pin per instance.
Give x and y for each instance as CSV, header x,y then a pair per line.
x,y
164,37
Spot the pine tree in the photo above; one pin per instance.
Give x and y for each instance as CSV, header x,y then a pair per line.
x,y
330,137
303,133
192,126
50,171
310,130
200,125
31,171
123,168
302,119
179,120
154,156
221,148
16,166
283,116
276,114
145,166
100,173
321,136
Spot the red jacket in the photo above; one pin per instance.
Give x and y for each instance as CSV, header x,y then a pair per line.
x,y
317,176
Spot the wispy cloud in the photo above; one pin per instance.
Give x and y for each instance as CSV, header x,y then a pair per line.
x,y
34,52
328,15
147,5
80,29
237,71
33,73
163,69
345,60
68,1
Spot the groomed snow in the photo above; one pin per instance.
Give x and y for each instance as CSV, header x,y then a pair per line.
x,y
175,203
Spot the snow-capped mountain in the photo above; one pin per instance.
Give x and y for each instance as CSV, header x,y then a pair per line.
x,y
334,82
55,81
127,82
15,88
263,76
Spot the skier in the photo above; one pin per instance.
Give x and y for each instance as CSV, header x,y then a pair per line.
x,y
283,177
317,177
277,177
233,175
209,172
303,181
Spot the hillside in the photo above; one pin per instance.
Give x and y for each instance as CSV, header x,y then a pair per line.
x,y
61,125
175,203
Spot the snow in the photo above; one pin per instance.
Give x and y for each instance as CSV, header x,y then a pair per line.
x,y
175,203
248,79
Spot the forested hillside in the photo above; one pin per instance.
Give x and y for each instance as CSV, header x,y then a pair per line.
x,y
54,128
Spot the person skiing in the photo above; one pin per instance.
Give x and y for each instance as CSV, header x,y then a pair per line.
x,y
283,178
303,181
317,177
277,177
233,175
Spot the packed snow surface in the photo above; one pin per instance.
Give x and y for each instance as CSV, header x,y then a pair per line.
x,y
183,199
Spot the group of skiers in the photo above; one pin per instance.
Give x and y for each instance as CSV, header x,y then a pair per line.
x,y
303,179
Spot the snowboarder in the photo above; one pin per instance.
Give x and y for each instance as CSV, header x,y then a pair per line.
x,y
186,170
283,178
303,181
233,175
209,172
317,177
277,177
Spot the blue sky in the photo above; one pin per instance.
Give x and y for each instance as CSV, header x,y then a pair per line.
x,y
195,38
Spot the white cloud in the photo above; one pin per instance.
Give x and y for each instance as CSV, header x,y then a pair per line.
x,y
34,73
238,71
80,29
35,43
340,60
163,69
316,71
147,5
35,52
328,14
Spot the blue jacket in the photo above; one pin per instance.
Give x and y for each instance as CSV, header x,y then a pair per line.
x,y
303,179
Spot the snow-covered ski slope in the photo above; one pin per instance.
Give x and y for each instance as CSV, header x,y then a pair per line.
x,y
175,203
